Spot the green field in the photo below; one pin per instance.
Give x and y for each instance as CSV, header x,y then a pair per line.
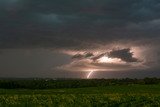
x,y
109,96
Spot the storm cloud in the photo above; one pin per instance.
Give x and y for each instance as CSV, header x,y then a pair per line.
x,y
64,24
123,54
84,30
82,56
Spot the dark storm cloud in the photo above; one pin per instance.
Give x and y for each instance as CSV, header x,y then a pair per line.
x,y
98,56
78,56
83,56
65,24
80,26
124,54
88,55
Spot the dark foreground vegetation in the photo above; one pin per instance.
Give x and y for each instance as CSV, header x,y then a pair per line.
x,y
80,93
70,83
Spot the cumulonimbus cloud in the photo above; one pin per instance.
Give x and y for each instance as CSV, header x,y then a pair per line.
x,y
90,61
124,54
82,56
35,24
80,25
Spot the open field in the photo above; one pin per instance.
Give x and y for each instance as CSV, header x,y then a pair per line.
x,y
110,96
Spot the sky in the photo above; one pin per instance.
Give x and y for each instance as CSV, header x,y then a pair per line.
x,y
80,38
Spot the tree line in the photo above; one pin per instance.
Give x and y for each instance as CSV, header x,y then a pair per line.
x,y
70,83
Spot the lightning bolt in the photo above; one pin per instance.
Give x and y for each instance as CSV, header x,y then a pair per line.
x,y
89,74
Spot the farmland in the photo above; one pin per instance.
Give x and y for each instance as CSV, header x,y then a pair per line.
x,y
123,95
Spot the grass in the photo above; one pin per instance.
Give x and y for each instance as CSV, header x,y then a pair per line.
x,y
110,96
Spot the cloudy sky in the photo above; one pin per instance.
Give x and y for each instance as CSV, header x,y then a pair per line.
x,y
72,38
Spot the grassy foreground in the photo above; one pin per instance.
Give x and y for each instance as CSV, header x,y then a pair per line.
x,y
109,96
